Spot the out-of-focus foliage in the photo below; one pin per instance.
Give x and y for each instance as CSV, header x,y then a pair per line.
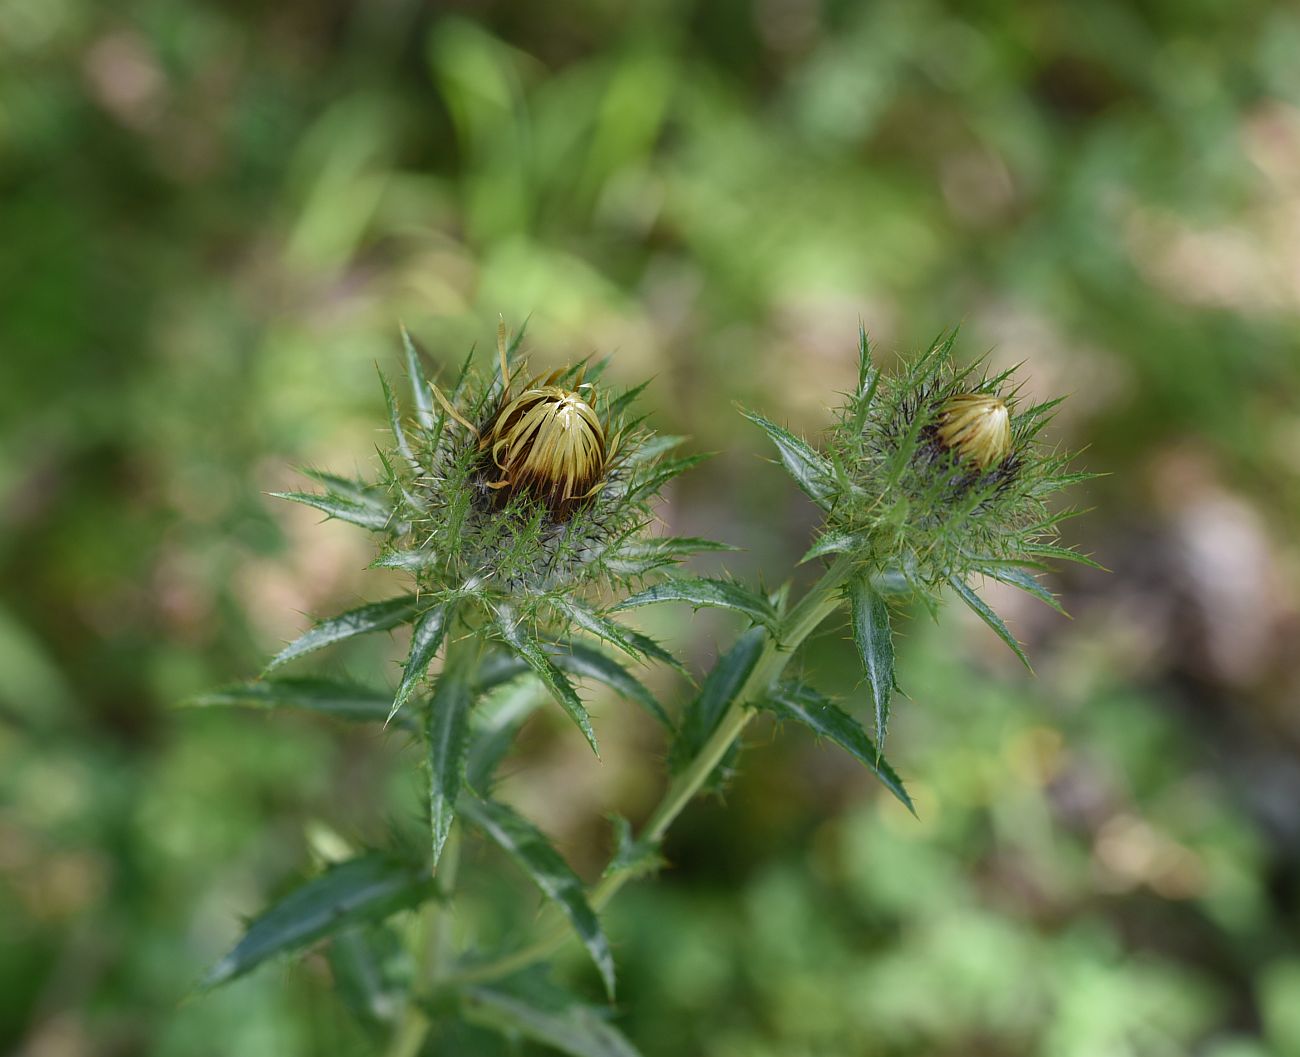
x,y
214,216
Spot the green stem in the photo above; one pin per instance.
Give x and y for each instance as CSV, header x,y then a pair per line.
x,y
433,942
819,603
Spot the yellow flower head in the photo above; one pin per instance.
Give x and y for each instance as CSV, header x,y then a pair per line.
x,y
977,427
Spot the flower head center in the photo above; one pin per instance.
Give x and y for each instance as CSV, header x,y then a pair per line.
x,y
977,427
549,441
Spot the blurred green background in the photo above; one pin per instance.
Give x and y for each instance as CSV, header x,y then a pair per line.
x,y
213,216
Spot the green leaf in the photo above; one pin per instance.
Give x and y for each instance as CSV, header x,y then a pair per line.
x,y
723,683
803,703
663,472
1023,579
373,517
639,556
447,742
395,424
632,856
631,642
702,591
421,395
651,449
494,725
430,629
585,662
833,543
572,1027
377,616
530,849
535,656
874,639
1047,550
327,697
372,973
368,888
809,468
986,614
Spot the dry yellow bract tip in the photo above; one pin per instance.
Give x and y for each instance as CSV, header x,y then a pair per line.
x,y
549,441
977,427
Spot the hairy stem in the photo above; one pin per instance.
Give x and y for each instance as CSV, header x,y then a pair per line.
x,y
819,603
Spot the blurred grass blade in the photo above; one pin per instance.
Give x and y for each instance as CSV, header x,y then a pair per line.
x,y
986,614
819,714
533,654
377,616
426,638
328,697
702,591
720,688
573,1028
809,468
368,888
874,638
530,849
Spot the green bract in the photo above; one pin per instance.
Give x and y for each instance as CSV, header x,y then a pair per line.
x,y
919,506
508,563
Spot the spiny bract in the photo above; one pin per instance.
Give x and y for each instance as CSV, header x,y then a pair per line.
x,y
520,510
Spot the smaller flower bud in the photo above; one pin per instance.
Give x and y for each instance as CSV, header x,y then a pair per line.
x,y
977,427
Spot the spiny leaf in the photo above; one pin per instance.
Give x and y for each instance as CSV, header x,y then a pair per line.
x,y
377,616
631,642
573,1027
1023,579
803,703
585,662
632,856
373,516
986,614
446,743
421,395
833,542
545,669
874,639
430,629
395,424
368,888
653,448
702,591
327,697
530,849
810,469
372,972
494,726
1048,550
723,683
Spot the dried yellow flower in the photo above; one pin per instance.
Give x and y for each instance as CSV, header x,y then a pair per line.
x,y
976,426
549,441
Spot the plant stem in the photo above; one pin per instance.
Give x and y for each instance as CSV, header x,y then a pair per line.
x,y
433,942
822,599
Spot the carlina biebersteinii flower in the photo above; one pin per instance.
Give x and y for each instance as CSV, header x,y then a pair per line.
x,y
521,514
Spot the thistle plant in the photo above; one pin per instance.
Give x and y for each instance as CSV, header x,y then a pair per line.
x,y
521,507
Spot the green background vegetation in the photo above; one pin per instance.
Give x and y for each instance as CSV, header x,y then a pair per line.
x,y
214,214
